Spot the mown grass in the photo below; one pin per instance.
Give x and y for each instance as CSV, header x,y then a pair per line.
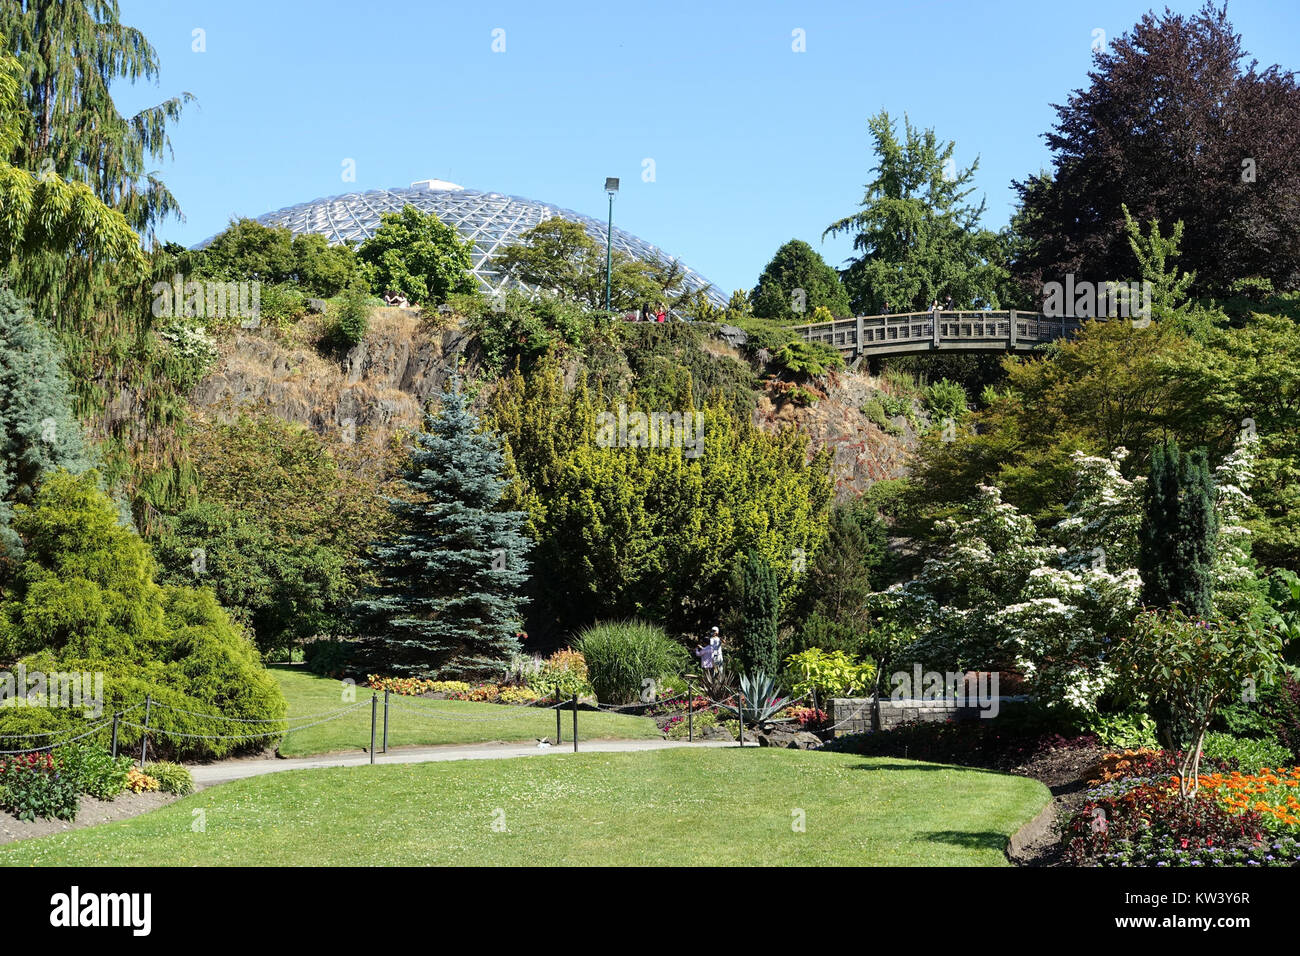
x,y
438,721
683,807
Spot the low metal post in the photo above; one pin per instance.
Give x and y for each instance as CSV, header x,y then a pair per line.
x,y
116,718
690,713
144,737
559,728
385,721
374,714
575,723
740,713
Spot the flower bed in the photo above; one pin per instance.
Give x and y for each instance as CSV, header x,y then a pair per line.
x,y
1133,816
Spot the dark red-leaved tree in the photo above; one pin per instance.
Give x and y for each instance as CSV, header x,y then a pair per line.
x,y
1177,125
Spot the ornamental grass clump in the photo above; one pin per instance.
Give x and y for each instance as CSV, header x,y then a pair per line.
x,y
621,656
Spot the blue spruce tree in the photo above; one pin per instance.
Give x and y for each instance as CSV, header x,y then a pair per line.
x,y
38,431
448,598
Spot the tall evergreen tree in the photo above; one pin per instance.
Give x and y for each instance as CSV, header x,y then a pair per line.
x,y
38,431
70,53
840,579
760,606
797,267
916,234
448,601
1179,532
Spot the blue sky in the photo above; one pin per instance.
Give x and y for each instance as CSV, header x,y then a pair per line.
x,y
752,143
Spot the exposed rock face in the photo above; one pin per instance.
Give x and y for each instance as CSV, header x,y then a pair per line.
x,y
382,384
863,453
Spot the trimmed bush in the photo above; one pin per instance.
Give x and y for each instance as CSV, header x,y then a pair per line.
x,y
171,777
622,655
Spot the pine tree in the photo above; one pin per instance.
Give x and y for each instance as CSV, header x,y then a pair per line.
x,y
1180,531
795,283
760,605
448,602
840,579
38,432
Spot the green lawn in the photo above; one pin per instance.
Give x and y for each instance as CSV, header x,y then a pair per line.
x,y
440,721
672,807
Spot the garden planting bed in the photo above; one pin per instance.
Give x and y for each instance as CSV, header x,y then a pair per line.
x,y
92,812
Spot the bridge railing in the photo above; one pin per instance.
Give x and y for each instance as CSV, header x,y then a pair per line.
x,y
955,329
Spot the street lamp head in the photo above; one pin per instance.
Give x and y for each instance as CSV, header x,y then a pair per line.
x,y
611,185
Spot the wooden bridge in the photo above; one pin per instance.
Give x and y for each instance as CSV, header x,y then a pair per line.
x,y
906,333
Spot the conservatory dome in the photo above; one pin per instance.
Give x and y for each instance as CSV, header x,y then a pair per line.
x,y
491,221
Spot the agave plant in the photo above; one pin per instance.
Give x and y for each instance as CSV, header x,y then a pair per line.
x,y
762,696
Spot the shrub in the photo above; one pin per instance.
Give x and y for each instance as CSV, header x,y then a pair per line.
x,y
676,728
137,781
353,317
622,655
32,785
946,400
563,676
829,675
518,695
93,770
1246,754
281,305
171,777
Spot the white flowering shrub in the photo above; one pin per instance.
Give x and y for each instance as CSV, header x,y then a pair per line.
x,y
1000,595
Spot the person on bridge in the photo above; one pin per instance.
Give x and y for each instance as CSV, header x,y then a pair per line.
x,y
884,309
947,305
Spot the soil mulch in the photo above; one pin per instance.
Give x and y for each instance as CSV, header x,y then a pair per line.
x,y
92,812
1064,771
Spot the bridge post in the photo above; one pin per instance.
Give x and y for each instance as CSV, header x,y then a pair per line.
x,y
858,344
1011,315
934,324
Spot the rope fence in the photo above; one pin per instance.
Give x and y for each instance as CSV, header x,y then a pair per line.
x,y
428,711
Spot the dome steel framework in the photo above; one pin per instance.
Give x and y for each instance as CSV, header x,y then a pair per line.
x,y
491,221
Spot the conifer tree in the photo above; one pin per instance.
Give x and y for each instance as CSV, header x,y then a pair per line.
x,y
760,604
38,432
1179,532
449,597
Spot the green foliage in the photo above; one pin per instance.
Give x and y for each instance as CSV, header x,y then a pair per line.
x,y
648,532
622,655
93,770
38,431
795,283
449,594
1122,731
248,251
33,786
1246,754
279,529
562,676
840,579
1193,666
171,777
523,329
803,360
1154,252
916,238
418,255
828,675
1179,532
84,600
562,256
762,698
946,401
759,601
352,316
281,305
329,657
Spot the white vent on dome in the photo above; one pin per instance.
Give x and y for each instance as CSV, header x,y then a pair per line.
x,y
436,185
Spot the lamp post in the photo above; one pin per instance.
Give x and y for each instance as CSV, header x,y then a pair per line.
x,y
611,187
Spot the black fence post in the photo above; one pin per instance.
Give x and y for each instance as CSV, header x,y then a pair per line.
x,y
690,713
740,712
559,729
374,713
116,718
144,736
575,723
385,721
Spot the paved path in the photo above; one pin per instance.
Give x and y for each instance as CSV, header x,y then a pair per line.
x,y
205,775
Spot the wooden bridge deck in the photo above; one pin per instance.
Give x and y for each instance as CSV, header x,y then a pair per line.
x,y
973,331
